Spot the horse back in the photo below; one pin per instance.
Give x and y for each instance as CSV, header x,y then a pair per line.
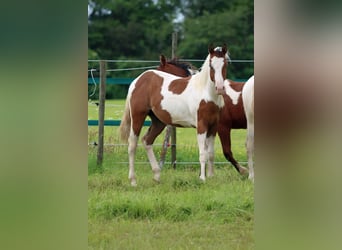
x,y
164,95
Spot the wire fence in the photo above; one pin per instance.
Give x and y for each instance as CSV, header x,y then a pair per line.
x,y
155,65
157,145
154,61
91,70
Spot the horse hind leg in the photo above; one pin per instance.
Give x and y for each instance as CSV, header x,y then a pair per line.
x,y
132,145
229,156
156,128
225,139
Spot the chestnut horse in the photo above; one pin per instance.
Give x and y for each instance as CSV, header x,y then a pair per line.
x,y
248,104
194,101
232,115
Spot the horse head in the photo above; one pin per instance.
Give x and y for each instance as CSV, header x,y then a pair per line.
x,y
218,61
176,67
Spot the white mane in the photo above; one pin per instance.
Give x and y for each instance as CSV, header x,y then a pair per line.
x,y
201,78
200,81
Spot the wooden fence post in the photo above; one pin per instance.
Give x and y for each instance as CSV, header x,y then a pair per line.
x,y
173,129
170,130
102,97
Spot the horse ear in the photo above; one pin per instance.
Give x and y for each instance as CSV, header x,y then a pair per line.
x,y
162,60
211,48
224,48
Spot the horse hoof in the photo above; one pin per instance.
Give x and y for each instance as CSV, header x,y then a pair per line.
x,y
202,178
133,183
243,171
210,174
156,180
251,177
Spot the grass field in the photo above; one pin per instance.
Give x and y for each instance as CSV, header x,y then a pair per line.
x,y
180,212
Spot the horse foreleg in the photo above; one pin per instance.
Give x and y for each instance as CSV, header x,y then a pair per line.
x,y
250,152
132,146
201,139
210,142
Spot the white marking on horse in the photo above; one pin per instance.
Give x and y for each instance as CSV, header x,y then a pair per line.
x,y
218,63
248,104
233,95
201,139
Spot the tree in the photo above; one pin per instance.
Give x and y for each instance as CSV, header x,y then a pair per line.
x,y
232,24
142,29
131,28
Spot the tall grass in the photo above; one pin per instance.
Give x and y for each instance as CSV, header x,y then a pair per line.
x,y
180,212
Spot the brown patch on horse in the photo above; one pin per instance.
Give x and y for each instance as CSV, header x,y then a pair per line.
x,y
154,130
148,106
208,117
148,82
237,86
162,115
179,85
233,116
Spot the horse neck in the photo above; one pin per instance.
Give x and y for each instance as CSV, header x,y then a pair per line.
x,y
178,71
203,82
202,78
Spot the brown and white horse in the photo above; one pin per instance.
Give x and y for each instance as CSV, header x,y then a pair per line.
x,y
232,115
194,101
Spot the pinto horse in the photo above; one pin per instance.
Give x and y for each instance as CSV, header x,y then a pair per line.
x,y
194,101
232,115
248,104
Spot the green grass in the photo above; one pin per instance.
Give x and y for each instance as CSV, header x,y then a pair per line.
x,y
180,212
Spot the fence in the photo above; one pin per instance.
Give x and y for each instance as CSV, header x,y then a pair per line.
x,y
103,80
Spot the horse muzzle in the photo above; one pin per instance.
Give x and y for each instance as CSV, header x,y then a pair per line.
x,y
220,90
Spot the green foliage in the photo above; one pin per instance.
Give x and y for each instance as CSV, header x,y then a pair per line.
x,y
233,26
136,28
194,9
92,55
143,29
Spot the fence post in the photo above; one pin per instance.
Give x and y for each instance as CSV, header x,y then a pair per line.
x,y
173,129
170,130
102,97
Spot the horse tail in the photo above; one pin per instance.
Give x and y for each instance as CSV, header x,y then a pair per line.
x,y
125,125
